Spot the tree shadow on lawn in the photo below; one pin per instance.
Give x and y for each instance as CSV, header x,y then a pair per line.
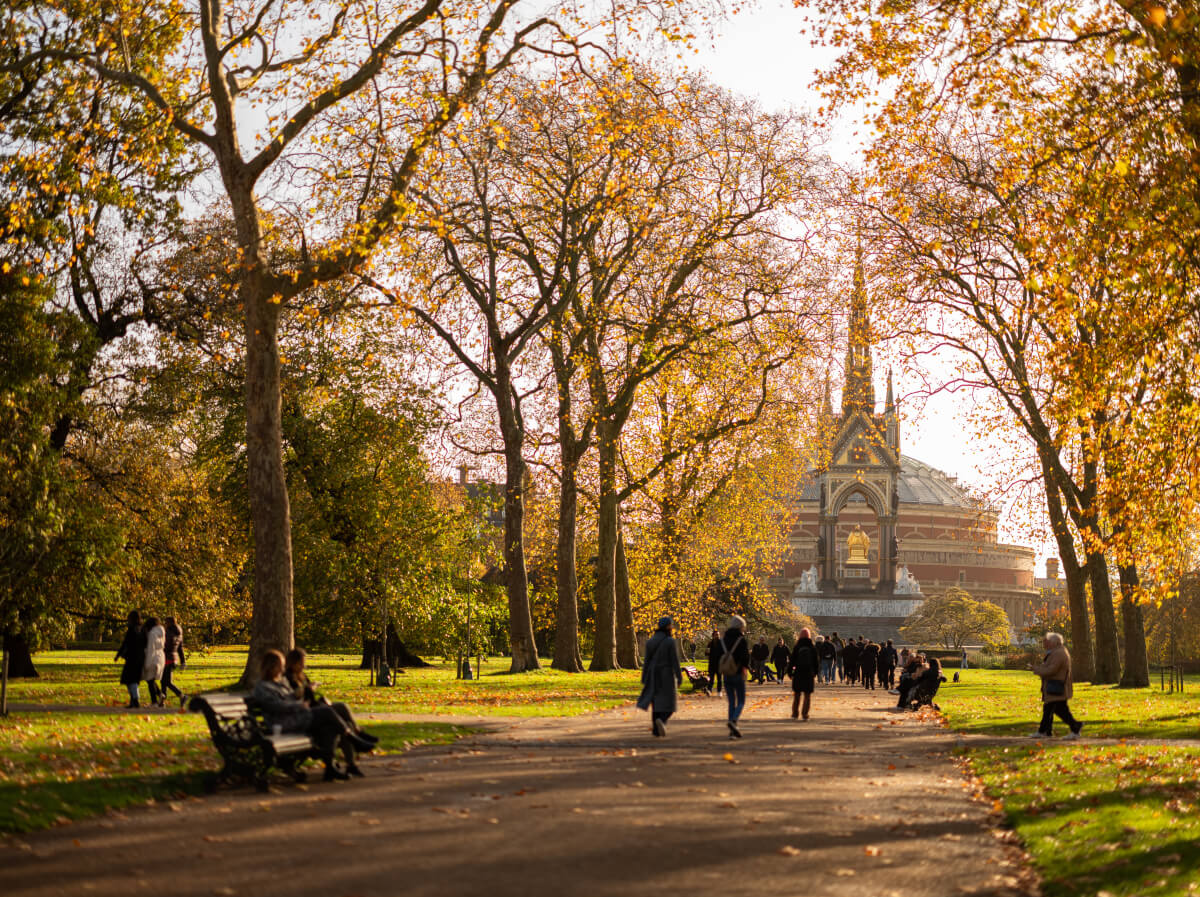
x,y
29,807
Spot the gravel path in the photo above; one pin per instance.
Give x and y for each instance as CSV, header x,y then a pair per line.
x,y
858,801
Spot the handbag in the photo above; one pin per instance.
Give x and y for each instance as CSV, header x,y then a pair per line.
x,y
1056,687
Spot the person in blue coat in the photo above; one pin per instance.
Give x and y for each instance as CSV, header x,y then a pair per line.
x,y
661,677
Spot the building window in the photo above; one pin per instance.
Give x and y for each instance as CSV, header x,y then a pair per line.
x,y
962,577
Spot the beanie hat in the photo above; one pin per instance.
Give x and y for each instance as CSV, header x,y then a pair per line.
x,y
664,624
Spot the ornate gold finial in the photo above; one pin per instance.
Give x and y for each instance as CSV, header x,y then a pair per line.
x,y
858,545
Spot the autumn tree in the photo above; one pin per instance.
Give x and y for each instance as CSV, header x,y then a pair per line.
x,y
319,77
956,619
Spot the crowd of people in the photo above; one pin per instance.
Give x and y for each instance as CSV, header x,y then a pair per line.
x,y
151,652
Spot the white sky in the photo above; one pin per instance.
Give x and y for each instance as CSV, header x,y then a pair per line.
x,y
764,52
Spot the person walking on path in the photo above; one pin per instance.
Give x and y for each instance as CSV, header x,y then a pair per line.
x,y
779,657
172,659
850,662
804,665
133,652
868,663
714,660
827,654
735,661
1057,687
838,648
887,665
758,660
155,659
661,677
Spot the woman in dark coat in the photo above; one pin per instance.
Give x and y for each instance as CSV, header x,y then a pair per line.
x,y
803,664
661,676
868,659
133,652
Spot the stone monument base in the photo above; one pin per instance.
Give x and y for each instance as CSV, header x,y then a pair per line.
x,y
851,612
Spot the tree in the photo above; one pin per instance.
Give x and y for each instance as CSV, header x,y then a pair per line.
x,y
956,619
315,72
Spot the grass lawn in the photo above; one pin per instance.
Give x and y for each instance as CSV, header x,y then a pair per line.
x,y
1118,819
89,677
1008,702
56,767
1121,820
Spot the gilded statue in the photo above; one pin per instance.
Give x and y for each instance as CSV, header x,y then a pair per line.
x,y
858,545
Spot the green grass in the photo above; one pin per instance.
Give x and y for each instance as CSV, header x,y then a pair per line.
x,y
55,767
1008,702
89,678
1117,819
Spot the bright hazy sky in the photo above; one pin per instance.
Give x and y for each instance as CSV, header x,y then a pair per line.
x,y
763,53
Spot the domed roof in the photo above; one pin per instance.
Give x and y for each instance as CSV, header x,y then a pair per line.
x,y
918,484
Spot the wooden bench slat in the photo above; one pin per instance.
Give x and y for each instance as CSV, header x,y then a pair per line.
x,y
290,743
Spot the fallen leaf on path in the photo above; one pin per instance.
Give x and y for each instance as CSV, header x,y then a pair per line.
x,y
788,851
844,873
871,850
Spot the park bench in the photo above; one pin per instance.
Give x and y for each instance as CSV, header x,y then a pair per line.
x,y
699,681
247,746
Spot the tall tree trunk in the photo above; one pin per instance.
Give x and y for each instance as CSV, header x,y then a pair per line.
x,y
272,619
604,656
566,617
1082,656
20,658
520,616
1137,665
1108,652
628,655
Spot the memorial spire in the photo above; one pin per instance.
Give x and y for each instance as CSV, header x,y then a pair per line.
x,y
858,394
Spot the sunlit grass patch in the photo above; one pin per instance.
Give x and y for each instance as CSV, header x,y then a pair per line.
x,y
1118,819
1008,702
55,767
89,678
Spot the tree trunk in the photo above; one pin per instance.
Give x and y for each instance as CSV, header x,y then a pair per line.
x,y
1108,653
20,658
272,619
628,655
1082,656
566,618
604,656
516,578
1137,665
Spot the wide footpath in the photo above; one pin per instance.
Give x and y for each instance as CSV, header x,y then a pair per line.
x,y
857,801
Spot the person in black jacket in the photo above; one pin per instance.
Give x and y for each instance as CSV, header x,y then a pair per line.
x,y
850,662
888,658
758,661
868,660
133,652
733,642
779,657
803,665
827,654
714,660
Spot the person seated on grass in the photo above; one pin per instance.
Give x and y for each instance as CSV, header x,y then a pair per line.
x,y
926,684
320,722
302,687
908,678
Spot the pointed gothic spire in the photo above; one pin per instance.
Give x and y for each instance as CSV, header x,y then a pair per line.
x,y
858,394
827,403
889,406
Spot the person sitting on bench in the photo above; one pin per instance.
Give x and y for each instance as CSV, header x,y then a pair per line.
x,y
302,686
321,723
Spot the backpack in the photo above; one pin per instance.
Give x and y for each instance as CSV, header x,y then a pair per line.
x,y
729,665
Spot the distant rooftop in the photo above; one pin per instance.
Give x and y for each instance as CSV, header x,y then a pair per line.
x,y
919,484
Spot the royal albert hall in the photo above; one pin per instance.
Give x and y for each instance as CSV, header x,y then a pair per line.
x,y
924,532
